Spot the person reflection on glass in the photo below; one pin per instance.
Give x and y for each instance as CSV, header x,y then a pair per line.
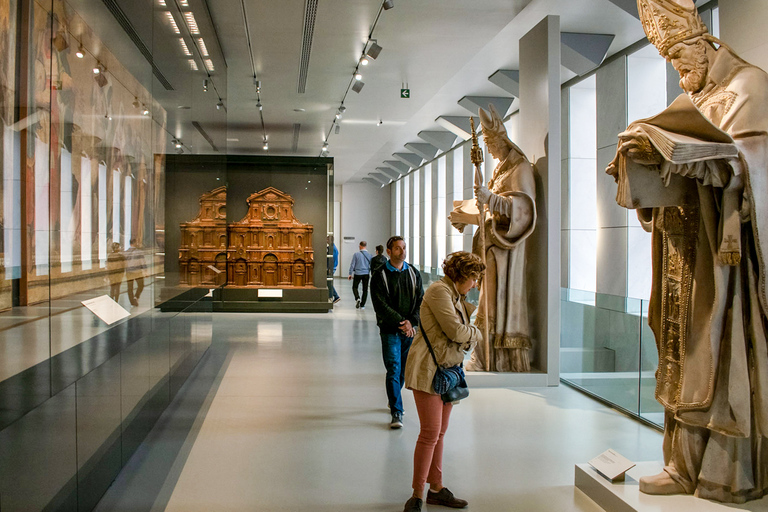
x,y
116,269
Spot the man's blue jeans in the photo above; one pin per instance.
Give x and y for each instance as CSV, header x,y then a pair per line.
x,y
394,349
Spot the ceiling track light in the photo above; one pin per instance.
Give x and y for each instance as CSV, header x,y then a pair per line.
x,y
136,103
358,76
373,50
80,53
177,143
358,86
205,85
99,75
259,105
266,145
388,4
220,105
364,61
144,110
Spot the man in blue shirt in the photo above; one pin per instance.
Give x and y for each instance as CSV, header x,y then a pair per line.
x,y
360,270
331,288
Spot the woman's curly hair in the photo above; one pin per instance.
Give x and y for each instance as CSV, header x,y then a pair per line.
x,y
460,266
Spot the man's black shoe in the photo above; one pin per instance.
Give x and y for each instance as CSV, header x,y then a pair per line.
x,y
445,498
413,505
337,300
397,420
357,305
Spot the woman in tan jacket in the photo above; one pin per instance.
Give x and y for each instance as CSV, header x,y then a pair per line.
x,y
445,319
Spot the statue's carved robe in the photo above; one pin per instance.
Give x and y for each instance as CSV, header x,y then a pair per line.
x,y
511,220
708,307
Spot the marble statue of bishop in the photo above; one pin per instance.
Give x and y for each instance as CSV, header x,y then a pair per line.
x,y
708,307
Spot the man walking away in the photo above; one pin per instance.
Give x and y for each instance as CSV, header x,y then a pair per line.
x,y
360,269
379,260
135,273
396,292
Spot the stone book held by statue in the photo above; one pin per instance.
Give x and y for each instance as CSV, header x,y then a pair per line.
x,y
683,136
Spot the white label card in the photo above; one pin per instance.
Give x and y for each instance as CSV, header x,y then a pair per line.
x,y
270,293
106,309
611,465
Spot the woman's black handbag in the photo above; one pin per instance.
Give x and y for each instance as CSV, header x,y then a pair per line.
x,y
449,383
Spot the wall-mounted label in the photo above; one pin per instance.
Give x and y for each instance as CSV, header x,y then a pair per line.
x,y
270,293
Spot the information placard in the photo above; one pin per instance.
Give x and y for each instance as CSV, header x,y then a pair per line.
x,y
611,465
106,309
271,293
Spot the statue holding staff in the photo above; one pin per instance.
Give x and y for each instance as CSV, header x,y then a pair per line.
x,y
509,220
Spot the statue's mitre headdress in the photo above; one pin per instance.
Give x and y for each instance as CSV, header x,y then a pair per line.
x,y
668,22
493,126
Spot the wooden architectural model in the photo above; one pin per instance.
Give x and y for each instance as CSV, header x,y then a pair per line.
x,y
269,247
203,245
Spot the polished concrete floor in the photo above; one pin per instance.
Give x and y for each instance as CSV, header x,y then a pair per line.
x,y
287,412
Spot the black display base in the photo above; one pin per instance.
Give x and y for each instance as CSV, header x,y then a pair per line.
x,y
293,300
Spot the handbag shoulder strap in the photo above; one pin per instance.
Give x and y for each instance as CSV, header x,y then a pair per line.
x,y
429,345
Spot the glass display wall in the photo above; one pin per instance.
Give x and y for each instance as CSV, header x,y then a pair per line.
x,y
93,95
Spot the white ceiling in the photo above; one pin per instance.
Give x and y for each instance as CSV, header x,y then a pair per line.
x,y
442,49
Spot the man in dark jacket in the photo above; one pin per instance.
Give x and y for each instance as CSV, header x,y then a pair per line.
x,y
379,260
396,292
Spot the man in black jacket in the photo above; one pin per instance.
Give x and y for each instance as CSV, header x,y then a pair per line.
x,y
396,292
379,260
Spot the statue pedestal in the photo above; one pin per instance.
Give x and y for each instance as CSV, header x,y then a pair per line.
x,y
532,379
626,496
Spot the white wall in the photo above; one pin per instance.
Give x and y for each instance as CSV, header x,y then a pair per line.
x,y
365,215
742,27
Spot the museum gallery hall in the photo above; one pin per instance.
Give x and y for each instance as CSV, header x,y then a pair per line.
x,y
193,191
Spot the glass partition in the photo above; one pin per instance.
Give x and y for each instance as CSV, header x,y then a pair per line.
x,y
608,351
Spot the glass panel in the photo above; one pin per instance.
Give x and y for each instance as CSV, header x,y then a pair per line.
x,y
600,346
415,238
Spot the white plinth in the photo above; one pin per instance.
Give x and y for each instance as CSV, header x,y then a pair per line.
x,y
626,496
506,380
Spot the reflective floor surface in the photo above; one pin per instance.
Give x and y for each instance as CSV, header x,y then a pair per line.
x,y
287,412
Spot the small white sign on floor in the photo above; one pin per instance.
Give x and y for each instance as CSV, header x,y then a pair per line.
x,y
611,465
106,309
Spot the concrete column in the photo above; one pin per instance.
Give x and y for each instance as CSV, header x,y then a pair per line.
x,y
436,216
468,192
540,140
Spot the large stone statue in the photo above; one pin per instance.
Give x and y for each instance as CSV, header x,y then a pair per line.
x,y
708,307
511,200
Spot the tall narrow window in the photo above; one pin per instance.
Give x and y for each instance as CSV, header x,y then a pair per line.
x,y
12,203
102,215
406,234
128,213
66,226
86,229
458,194
646,96
416,214
426,214
441,219
116,206
582,186
42,210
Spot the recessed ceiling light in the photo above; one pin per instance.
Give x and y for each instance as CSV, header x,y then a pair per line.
x,y
233,140
299,110
183,107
